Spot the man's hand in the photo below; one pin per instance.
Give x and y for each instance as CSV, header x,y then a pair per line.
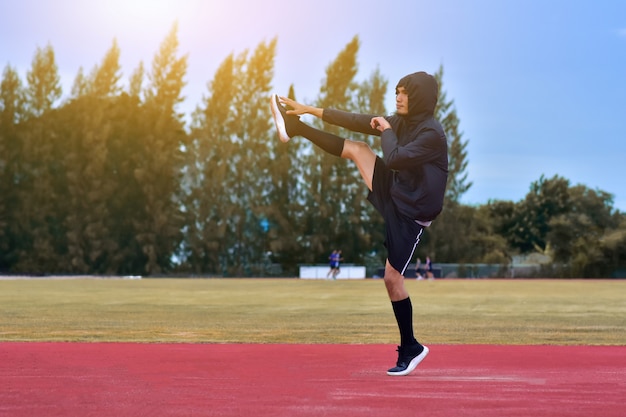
x,y
379,123
297,109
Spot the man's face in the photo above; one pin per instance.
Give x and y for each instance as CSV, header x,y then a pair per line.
x,y
402,101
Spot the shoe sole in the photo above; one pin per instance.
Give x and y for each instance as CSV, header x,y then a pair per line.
x,y
412,365
279,120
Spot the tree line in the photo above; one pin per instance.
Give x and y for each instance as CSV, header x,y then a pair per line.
x,y
113,180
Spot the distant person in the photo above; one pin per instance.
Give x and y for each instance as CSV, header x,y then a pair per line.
x,y
429,268
407,184
418,269
333,259
337,264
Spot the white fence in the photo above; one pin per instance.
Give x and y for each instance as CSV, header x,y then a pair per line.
x,y
321,272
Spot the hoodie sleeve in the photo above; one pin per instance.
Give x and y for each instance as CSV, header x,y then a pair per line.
x,y
355,122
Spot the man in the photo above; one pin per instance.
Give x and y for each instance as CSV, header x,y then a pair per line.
x,y
429,268
337,265
406,186
333,261
418,269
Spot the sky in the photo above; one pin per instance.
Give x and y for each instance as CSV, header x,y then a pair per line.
x,y
539,86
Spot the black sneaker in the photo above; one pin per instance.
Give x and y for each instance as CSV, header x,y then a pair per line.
x,y
278,112
408,359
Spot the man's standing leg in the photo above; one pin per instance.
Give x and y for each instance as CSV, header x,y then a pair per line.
x,y
410,352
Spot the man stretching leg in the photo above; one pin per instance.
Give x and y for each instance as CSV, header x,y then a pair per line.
x,y
407,184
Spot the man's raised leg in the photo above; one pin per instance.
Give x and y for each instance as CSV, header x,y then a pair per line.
x,y
363,157
359,152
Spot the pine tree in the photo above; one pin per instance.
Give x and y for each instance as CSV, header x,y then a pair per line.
x,y
332,182
136,81
128,125
166,78
453,220
105,77
229,194
80,86
251,167
160,161
340,216
208,203
12,101
445,112
40,219
369,232
287,208
44,87
90,186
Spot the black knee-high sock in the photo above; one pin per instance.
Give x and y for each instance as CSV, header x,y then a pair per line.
x,y
332,144
403,311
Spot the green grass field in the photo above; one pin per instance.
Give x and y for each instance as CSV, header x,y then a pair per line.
x,y
563,312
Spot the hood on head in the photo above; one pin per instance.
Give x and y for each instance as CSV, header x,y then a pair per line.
x,y
422,89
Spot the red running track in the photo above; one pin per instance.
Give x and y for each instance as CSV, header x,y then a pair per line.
x,y
263,380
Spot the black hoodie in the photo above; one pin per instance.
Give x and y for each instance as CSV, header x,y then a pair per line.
x,y
415,148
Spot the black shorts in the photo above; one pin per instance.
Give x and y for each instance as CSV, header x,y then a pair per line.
x,y
402,234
